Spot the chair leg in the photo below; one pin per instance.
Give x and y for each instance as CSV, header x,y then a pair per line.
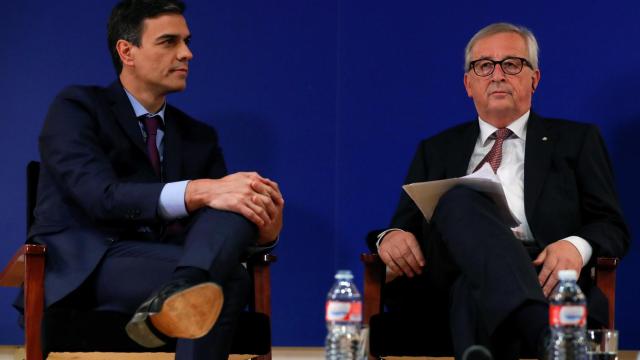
x,y
262,295
374,275
34,305
606,282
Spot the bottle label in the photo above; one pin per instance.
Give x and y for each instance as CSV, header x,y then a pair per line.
x,y
344,311
562,315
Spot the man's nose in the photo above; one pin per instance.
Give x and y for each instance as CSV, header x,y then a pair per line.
x,y
185,54
498,74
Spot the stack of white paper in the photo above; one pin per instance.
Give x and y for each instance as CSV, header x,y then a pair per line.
x,y
427,194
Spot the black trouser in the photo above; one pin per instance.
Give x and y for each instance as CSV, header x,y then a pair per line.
x,y
474,259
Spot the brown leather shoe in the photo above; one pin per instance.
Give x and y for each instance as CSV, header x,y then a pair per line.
x,y
180,309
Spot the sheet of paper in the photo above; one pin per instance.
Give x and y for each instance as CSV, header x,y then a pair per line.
x,y
427,194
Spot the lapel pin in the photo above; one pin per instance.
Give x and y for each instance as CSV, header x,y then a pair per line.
x,y
545,138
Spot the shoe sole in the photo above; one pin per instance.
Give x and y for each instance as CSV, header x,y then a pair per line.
x,y
191,313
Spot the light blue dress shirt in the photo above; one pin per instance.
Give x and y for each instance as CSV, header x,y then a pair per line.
x,y
171,203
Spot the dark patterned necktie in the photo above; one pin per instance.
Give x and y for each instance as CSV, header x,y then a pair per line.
x,y
151,125
494,156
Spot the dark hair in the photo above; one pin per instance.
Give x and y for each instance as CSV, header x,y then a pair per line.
x,y
127,18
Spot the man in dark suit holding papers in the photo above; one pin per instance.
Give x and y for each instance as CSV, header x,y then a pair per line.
x,y
558,182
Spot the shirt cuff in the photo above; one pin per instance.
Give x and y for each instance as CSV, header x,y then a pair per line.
x,y
583,247
171,204
383,234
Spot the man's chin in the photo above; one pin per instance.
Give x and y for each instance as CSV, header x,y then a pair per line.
x,y
176,87
501,116
501,104
500,97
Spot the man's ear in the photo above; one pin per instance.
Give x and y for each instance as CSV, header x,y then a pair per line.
x,y
467,86
125,51
535,80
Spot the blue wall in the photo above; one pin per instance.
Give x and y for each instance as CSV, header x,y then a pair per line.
x,y
330,98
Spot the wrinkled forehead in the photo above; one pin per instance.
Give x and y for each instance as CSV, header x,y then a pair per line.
x,y
500,45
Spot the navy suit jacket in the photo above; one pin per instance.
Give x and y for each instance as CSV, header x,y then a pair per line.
x,y
568,185
96,183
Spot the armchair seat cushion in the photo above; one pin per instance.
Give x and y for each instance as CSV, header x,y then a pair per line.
x,y
71,330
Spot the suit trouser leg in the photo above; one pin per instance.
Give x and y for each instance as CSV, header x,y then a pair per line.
x,y
493,274
214,241
130,271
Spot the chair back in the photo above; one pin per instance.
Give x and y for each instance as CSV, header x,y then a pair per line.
x,y
33,174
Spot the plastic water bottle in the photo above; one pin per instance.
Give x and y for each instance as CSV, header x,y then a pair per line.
x,y
344,319
567,319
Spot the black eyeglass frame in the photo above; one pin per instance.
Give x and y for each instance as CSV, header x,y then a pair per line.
x,y
525,62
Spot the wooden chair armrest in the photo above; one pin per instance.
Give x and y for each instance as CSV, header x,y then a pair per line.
x,y
606,263
13,274
374,273
261,259
258,266
370,259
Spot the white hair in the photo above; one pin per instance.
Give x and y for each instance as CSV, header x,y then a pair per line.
x,y
497,28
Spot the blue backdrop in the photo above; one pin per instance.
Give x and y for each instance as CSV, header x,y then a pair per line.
x,y
329,98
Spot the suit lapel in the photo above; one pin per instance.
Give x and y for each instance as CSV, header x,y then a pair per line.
x,y
462,149
172,147
125,115
537,158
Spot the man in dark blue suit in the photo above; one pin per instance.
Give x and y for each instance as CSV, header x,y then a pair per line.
x,y
494,279
134,201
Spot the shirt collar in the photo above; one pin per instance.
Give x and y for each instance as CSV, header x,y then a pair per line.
x,y
518,127
141,111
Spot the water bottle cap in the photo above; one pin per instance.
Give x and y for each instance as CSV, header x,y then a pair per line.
x,y
567,275
344,275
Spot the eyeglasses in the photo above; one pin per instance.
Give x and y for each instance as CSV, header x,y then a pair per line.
x,y
509,66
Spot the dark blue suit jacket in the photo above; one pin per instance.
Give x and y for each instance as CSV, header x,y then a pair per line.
x,y
568,188
96,183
